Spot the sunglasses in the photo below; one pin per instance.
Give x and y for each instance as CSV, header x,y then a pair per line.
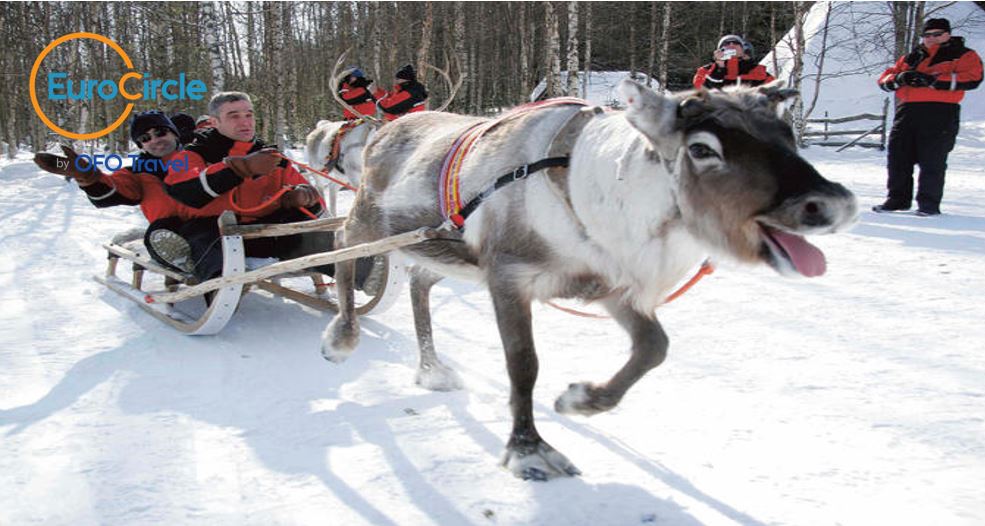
x,y
152,133
934,34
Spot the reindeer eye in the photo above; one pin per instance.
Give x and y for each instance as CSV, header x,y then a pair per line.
x,y
701,151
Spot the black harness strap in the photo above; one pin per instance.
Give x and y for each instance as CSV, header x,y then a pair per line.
x,y
516,175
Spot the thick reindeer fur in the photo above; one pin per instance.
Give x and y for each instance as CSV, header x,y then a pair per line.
x,y
653,191
318,146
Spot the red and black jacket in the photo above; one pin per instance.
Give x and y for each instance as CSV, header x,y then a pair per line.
x,y
144,188
735,72
209,187
356,95
404,98
956,68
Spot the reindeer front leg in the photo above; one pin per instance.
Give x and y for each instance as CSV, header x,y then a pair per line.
x,y
649,348
527,455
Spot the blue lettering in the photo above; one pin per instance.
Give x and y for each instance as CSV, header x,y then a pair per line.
x,y
196,90
79,95
53,84
164,89
112,157
102,89
88,166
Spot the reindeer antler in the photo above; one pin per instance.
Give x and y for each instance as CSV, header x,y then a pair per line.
x,y
336,77
453,87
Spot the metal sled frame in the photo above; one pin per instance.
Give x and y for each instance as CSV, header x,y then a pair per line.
x,y
236,280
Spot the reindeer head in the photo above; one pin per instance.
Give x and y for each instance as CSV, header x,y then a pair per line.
x,y
742,188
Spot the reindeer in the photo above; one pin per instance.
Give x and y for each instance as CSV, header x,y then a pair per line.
x,y
649,194
347,166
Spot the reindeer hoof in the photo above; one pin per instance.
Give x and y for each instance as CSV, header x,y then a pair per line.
x,y
539,462
583,399
438,377
339,341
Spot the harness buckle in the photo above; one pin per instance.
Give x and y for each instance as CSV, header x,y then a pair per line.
x,y
521,172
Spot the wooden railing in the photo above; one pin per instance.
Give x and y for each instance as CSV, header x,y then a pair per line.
x,y
826,136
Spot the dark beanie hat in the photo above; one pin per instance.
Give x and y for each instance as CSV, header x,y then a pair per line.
x,y
940,24
186,126
406,73
150,119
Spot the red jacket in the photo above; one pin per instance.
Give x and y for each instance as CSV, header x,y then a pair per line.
x,y
209,187
359,98
405,98
956,69
143,185
735,72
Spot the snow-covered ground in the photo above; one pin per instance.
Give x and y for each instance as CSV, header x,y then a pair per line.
x,y
855,398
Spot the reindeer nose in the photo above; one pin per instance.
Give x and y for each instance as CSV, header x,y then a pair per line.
x,y
815,213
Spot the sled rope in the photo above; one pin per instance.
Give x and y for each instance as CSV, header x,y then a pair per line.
x,y
451,167
250,211
317,172
706,269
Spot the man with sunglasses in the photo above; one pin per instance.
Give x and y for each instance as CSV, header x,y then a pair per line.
x,y
929,83
142,183
733,65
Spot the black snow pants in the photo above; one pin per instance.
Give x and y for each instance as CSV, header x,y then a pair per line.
x,y
204,239
923,133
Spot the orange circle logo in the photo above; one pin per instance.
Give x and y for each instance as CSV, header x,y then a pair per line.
x,y
34,96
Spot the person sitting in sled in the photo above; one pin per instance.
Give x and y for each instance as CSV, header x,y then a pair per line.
x,y
407,95
142,183
229,168
354,90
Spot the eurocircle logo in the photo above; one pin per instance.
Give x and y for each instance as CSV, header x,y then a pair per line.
x,y
107,89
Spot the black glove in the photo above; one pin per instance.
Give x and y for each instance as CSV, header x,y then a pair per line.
x,y
915,79
66,166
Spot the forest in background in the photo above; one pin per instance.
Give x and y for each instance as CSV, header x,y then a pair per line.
x,y
282,53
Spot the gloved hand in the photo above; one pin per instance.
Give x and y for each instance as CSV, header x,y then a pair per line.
x,y
301,195
255,164
915,79
84,174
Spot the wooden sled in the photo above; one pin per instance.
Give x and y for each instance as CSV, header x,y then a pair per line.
x,y
171,305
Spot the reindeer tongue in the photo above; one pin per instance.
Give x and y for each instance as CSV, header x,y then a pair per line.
x,y
806,258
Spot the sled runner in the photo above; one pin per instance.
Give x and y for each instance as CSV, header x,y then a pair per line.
x,y
180,302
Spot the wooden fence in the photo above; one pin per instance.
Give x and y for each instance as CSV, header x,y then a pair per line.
x,y
823,134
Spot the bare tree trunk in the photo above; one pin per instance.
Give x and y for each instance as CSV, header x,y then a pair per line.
x,y
573,49
651,61
211,23
552,59
820,62
776,64
797,111
460,51
525,50
587,70
665,45
424,50
277,12
632,41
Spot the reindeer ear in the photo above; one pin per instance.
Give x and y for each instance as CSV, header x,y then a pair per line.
x,y
654,115
776,97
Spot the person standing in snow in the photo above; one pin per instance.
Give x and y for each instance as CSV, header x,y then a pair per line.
x,y
733,66
929,83
406,96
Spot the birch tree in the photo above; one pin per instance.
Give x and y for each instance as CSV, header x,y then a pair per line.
x,y
552,51
573,49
